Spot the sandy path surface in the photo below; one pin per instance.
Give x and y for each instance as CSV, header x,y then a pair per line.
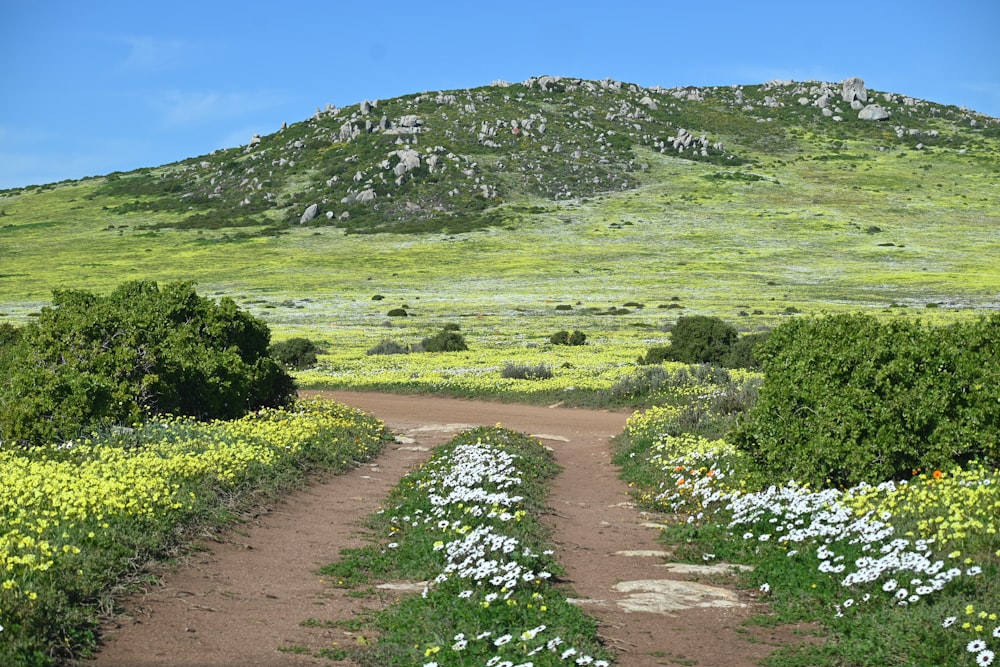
x,y
246,595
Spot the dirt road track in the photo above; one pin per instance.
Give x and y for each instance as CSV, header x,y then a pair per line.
x,y
240,600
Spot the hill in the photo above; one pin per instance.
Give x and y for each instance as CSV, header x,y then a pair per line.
x,y
742,201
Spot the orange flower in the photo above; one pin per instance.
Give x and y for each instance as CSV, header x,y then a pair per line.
x,y
938,474
680,482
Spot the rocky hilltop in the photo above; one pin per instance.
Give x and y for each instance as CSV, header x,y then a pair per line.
x,y
454,159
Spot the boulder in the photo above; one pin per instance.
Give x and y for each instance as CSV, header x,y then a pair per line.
x,y
873,112
853,89
409,160
309,214
857,105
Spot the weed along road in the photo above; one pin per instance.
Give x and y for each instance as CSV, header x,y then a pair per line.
x,y
244,598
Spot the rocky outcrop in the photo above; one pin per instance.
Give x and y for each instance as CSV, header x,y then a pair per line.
x,y
853,89
873,112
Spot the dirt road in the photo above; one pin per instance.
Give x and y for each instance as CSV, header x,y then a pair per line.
x,y
242,599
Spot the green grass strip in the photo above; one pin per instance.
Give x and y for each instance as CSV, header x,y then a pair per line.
x,y
467,524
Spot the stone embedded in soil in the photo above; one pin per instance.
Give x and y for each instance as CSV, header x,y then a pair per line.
x,y
665,596
443,428
545,436
643,553
715,568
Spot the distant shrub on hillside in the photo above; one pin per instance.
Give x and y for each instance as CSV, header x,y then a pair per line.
x,y
388,346
297,353
707,340
567,338
444,341
526,372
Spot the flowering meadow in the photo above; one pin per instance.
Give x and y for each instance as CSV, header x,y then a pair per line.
x,y
466,523
76,518
577,370
905,572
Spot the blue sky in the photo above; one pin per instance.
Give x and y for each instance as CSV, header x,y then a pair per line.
x,y
91,87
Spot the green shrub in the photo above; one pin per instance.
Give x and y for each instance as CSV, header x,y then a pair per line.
x,y
567,338
699,339
849,398
655,355
398,312
387,346
642,383
743,351
444,341
89,362
526,372
297,353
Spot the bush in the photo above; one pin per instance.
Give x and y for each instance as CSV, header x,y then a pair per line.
x,y
655,355
526,372
699,339
398,312
567,338
444,341
849,399
388,346
743,351
297,353
89,362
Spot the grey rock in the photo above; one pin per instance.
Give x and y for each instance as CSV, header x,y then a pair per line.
x,y
410,120
409,160
366,196
853,89
873,112
857,105
823,101
309,214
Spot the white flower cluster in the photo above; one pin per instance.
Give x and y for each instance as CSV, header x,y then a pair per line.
x,y
471,496
795,514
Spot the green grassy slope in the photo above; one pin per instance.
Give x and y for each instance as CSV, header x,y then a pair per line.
x,y
794,211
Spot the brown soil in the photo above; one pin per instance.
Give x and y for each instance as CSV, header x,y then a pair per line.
x,y
244,596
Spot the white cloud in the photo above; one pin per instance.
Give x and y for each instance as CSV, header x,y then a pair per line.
x,y
154,54
184,109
